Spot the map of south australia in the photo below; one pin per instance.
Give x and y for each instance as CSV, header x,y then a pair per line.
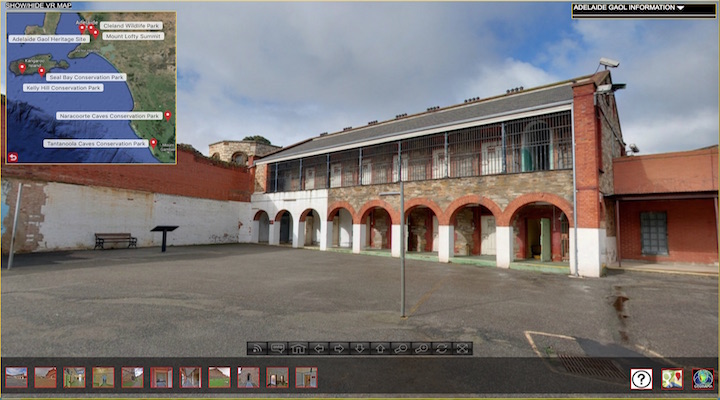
x,y
91,87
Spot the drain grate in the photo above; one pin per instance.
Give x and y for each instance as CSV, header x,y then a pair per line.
x,y
599,367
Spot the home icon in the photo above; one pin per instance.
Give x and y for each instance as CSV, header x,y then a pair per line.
x,y
298,349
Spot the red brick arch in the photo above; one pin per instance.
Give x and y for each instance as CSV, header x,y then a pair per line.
x,y
280,213
526,199
306,213
463,201
336,206
259,214
360,216
421,201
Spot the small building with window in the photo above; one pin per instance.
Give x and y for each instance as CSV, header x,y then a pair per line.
x,y
667,207
240,152
503,179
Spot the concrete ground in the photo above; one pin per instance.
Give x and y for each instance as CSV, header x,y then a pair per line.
x,y
211,300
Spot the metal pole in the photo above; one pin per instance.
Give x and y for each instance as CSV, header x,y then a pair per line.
x,y
717,227
575,214
360,178
402,241
327,172
504,149
276,177
446,165
617,232
14,229
300,182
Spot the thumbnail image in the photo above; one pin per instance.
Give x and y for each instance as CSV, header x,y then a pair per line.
x,y
189,377
306,377
45,377
277,378
219,377
103,377
132,377
74,377
248,377
16,377
161,377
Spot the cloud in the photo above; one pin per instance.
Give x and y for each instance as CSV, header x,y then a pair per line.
x,y
671,69
494,79
289,71
673,132
294,70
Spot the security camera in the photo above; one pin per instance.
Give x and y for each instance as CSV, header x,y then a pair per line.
x,y
634,148
607,62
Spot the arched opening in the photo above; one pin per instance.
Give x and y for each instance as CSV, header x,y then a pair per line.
x,y
263,226
286,228
378,225
536,145
215,156
474,229
541,232
340,221
312,227
422,229
239,158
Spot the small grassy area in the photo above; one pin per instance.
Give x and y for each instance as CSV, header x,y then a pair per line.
x,y
219,382
137,383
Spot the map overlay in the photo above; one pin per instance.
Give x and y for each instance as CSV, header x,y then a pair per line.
x,y
91,87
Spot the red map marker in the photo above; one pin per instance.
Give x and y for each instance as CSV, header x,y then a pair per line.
x,y
168,115
41,71
91,27
82,28
153,142
21,67
95,33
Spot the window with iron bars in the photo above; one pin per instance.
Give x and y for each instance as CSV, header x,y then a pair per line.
x,y
538,143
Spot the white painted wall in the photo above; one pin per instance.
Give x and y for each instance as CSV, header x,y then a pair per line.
x,y
504,246
74,213
317,226
245,223
346,228
591,251
436,233
295,203
395,245
611,250
446,243
360,237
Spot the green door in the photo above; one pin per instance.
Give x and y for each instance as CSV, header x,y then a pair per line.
x,y
545,247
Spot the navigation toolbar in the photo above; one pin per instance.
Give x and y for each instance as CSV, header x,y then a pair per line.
x,y
359,348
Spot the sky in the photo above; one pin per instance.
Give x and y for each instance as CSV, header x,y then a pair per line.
x,y
290,71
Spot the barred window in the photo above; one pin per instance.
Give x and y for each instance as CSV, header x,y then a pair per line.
x,y
653,230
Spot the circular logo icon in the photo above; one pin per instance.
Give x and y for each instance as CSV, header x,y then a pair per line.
x,y
641,379
703,378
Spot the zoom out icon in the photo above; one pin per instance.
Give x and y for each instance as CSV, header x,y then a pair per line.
x,y
641,379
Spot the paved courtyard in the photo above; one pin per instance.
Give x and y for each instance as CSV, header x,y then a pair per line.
x,y
211,300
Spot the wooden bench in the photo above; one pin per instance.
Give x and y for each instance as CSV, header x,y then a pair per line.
x,y
102,238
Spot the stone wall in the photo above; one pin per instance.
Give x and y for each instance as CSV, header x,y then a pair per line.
x,y
226,149
439,193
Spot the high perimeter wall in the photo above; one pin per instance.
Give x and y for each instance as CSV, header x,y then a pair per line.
x,y
63,206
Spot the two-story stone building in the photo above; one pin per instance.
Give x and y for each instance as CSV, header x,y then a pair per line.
x,y
508,178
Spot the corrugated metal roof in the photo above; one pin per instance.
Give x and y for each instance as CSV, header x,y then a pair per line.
x,y
528,99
